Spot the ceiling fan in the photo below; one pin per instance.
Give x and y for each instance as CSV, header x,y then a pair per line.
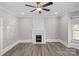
x,y
39,7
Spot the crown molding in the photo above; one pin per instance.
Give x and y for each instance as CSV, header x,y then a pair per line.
x,y
7,10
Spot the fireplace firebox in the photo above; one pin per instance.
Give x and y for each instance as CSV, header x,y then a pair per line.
x,y
38,38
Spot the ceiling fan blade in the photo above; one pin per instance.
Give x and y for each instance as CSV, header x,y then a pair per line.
x,y
46,9
29,5
32,10
47,4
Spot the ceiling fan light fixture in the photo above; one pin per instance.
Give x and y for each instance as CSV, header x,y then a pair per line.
x,y
39,9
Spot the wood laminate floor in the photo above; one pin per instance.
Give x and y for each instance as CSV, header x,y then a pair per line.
x,y
48,49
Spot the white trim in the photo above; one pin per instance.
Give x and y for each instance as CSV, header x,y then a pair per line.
x,y
9,47
29,41
25,41
52,40
7,10
64,43
69,30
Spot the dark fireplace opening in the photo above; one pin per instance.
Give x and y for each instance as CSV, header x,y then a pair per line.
x,y
38,38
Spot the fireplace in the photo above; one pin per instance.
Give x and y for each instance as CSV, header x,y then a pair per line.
x,y
38,31
38,38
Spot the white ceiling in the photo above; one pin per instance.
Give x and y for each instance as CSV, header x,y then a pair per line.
x,y
60,7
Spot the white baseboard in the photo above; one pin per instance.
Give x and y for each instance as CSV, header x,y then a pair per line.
x,y
52,40
64,43
9,47
25,41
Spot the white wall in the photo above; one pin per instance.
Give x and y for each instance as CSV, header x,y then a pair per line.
x,y
64,29
10,35
38,23
52,26
25,28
